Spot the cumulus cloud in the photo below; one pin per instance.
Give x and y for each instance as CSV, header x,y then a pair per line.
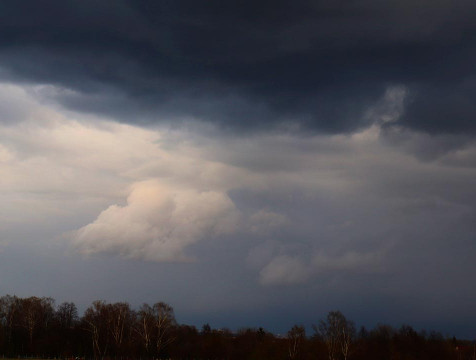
x,y
158,222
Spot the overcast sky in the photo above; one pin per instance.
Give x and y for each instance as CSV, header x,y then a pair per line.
x,y
253,163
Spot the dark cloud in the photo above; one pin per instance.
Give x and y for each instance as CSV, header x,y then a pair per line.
x,y
248,64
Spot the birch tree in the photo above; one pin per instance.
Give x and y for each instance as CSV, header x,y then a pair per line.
x,y
164,322
296,337
96,320
337,333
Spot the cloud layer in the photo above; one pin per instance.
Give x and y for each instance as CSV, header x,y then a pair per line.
x,y
320,154
310,65
381,212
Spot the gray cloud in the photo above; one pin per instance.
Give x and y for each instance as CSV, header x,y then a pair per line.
x,y
247,65
361,193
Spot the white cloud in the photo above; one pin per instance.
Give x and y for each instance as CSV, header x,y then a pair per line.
x,y
158,222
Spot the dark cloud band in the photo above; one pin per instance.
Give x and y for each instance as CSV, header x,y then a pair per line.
x,y
249,65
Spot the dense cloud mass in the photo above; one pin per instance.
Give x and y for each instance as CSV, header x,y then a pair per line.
x,y
242,156
346,201
312,65
158,222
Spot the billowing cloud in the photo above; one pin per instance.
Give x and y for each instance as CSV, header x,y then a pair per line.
x,y
158,222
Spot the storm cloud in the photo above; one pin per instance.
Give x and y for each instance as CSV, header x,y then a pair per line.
x,y
246,65
242,159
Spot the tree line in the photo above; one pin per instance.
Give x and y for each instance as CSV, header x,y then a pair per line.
x,y
35,327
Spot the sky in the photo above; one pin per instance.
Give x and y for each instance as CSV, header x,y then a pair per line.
x,y
252,163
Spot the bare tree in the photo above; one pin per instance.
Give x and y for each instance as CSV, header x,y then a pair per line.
x,y
120,319
154,325
164,322
337,333
296,337
144,326
35,312
96,319
347,336
9,310
67,315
